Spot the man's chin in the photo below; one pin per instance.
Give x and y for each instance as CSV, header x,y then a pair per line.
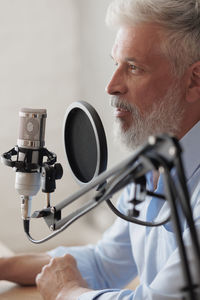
x,y
126,136
123,124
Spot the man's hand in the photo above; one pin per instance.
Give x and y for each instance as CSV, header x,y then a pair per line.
x,y
61,280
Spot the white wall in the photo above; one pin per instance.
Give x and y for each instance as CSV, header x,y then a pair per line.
x,y
52,52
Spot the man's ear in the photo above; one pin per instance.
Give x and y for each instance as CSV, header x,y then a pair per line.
x,y
193,88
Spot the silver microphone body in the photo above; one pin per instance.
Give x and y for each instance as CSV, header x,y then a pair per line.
x,y
30,142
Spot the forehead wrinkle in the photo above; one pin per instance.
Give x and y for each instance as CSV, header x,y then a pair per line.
x,y
120,56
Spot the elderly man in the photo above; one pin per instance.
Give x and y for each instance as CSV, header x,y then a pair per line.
x,y
154,89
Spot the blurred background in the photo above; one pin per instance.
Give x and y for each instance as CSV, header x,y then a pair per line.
x,y
52,52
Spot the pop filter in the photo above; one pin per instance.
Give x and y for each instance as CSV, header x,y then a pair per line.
x,y
84,141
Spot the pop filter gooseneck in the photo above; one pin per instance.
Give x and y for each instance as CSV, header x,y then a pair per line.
x,y
84,142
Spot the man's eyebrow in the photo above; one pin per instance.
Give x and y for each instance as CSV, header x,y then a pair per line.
x,y
132,59
127,59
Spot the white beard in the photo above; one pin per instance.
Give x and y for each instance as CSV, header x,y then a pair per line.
x,y
164,117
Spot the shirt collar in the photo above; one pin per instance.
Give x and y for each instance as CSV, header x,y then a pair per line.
x,y
191,150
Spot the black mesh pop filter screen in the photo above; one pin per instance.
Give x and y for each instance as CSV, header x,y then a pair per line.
x,y
84,141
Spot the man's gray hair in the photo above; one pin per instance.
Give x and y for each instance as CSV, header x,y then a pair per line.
x,y
180,20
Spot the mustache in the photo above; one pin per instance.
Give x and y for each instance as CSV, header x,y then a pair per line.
x,y
117,102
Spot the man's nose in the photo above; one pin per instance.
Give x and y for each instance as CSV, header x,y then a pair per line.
x,y
117,84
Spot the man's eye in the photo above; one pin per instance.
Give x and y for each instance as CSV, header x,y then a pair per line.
x,y
133,68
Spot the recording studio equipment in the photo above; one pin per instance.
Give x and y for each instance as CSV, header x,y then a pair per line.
x,y
86,151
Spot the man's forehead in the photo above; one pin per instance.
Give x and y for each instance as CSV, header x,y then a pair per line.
x,y
140,38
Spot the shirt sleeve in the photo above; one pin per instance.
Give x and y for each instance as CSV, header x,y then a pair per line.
x,y
110,263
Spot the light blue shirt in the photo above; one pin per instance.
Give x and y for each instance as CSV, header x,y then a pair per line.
x,y
128,250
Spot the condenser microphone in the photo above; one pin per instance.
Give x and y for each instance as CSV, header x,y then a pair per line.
x,y
29,146
31,171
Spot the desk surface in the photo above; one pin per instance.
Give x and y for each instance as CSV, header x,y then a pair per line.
x,y
12,291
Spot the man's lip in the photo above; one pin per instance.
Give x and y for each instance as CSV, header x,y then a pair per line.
x,y
120,112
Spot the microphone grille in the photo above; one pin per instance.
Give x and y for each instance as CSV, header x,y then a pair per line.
x,y
32,128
